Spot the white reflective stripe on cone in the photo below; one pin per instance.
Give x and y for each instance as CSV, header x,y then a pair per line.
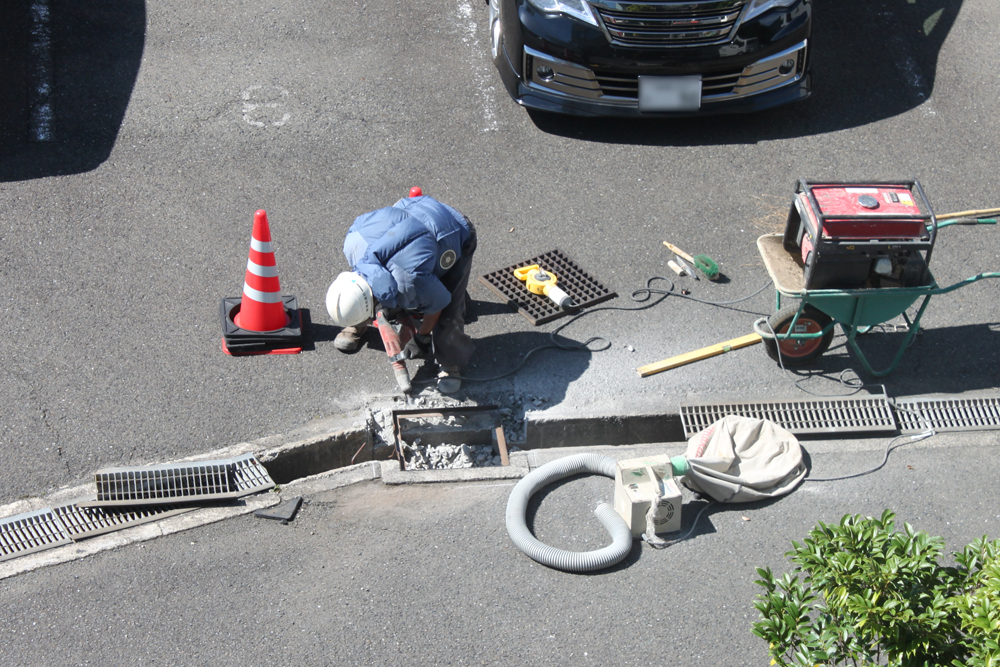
x,y
261,270
260,246
261,297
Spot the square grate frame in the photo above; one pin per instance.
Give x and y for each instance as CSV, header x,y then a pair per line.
x,y
537,309
196,481
916,415
31,532
868,414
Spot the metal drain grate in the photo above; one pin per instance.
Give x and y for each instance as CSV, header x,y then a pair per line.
x,y
84,522
842,415
916,415
191,482
584,288
30,532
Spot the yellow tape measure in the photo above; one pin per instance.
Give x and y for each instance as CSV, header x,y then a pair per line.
x,y
542,282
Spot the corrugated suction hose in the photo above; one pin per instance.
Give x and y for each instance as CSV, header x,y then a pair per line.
x,y
570,561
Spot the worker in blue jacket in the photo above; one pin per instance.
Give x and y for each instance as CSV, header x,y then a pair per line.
x,y
415,255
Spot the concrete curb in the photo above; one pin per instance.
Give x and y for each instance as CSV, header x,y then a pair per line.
x,y
391,474
318,458
544,429
388,471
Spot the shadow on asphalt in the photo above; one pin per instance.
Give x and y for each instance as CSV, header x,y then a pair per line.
x,y
476,309
495,356
943,360
66,82
871,60
314,332
501,354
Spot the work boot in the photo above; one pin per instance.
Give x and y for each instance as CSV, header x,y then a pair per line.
x,y
449,381
349,338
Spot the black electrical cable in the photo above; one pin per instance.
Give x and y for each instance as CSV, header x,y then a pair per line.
x,y
642,295
854,382
888,448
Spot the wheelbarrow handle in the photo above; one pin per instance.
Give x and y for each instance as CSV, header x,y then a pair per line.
x,y
963,283
967,221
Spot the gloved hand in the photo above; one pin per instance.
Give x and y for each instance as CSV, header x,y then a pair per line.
x,y
418,347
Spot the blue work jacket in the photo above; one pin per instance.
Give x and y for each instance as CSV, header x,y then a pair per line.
x,y
404,249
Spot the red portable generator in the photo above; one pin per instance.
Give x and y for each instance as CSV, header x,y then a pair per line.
x,y
861,235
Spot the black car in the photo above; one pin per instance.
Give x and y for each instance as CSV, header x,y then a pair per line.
x,y
652,57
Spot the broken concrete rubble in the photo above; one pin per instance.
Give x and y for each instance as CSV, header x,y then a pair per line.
x,y
445,457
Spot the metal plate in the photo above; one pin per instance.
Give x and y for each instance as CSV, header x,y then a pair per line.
x,y
584,288
174,483
30,532
867,414
916,415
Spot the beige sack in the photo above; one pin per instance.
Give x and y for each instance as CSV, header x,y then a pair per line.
x,y
740,459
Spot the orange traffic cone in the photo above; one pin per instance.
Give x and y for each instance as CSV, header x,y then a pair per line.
x,y
262,321
262,308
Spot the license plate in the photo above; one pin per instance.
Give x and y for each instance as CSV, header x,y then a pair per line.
x,y
669,93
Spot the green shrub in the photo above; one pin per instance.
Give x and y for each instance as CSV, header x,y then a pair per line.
x,y
869,595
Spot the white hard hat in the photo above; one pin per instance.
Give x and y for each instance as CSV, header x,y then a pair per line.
x,y
349,300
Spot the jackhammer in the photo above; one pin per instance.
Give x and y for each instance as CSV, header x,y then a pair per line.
x,y
397,329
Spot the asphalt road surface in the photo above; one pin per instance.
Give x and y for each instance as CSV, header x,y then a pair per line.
x,y
426,574
140,137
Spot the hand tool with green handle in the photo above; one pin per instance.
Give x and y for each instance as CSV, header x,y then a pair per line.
x,y
703,263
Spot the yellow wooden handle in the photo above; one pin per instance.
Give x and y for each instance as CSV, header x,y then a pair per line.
x,y
680,253
698,355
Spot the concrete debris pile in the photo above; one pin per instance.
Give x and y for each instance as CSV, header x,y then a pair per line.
x,y
444,457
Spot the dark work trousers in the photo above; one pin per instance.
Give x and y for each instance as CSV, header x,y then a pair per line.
x,y
452,347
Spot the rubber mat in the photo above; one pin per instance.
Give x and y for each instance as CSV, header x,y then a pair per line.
x,y
584,288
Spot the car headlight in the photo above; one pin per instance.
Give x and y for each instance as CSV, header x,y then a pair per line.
x,y
761,6
578,9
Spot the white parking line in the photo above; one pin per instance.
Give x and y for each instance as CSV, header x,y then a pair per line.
x,y
40,48
479,65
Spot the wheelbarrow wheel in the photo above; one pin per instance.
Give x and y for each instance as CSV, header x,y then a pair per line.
x,y
796,352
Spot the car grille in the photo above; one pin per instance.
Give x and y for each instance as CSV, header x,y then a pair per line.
x,y
670,23
628,86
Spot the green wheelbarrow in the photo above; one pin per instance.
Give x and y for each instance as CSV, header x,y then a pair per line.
x,y
797,334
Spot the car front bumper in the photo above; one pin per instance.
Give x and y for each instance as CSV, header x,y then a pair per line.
x,y
764,66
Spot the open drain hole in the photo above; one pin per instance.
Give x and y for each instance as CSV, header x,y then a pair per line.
x,y
449,438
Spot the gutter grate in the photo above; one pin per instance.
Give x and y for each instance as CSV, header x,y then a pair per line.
x,y
584,288
173,483
30,532
841,415
948,414
84,522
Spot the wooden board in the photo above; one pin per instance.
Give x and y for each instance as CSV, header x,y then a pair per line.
x,y
698,355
